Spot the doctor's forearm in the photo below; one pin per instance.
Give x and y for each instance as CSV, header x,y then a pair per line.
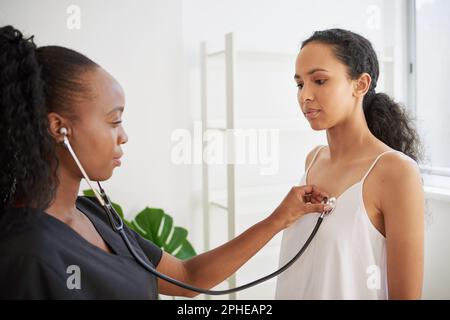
x,y
212,267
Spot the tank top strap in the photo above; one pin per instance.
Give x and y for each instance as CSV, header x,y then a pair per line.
x,y
314,158
374,163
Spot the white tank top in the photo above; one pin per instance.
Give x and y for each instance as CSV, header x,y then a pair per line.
x,y
345,260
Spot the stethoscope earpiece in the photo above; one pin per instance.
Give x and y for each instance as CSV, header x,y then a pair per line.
x,y
63,131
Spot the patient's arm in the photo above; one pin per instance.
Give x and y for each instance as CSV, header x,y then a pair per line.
x,y
402,205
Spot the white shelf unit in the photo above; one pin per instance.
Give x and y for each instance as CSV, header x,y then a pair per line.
x,y
229,205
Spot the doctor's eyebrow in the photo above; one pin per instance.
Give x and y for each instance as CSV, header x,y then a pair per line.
x,y
115,109
296,76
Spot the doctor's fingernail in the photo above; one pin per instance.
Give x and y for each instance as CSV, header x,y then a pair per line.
x,y
327,208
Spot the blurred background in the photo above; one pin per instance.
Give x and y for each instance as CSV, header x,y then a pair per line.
x,y
190,67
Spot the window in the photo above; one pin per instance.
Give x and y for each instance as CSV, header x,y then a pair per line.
x,y
432,100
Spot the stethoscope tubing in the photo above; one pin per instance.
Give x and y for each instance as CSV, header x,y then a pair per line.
x,y
118,226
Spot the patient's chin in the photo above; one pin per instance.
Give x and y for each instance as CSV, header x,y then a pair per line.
x,y
317,127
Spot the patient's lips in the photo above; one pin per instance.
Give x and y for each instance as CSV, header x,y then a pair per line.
x,y
311,113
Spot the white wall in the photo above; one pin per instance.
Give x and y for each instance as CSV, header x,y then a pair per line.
x,y
437,248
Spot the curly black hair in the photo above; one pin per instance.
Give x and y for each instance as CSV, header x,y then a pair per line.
x,y
387,120
33,82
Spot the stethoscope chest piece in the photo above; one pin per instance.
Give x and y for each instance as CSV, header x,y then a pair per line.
x,y
331,202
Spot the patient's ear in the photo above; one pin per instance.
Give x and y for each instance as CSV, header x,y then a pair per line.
x,y
362,85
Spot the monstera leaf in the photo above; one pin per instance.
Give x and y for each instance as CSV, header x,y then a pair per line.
x,y
157,226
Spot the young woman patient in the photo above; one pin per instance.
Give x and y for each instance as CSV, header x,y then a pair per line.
x,y
371,246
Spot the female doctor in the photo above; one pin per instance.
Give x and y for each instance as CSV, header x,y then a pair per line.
x,y
46,238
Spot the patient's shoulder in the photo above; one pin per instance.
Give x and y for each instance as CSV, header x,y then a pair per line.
x,y
396,166
310,156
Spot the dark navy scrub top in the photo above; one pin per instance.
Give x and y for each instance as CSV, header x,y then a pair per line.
x,y
49,260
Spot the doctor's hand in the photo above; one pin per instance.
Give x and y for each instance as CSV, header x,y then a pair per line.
x,y
299,201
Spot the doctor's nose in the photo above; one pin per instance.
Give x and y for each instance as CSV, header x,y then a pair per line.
x,y
123,137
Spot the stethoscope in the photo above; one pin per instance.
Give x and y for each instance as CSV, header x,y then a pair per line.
x,y
118,226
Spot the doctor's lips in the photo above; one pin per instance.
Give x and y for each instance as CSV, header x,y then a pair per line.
x,y
117,160
311,113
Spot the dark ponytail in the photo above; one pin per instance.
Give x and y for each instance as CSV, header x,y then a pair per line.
x,y
390,123
33,82
386,119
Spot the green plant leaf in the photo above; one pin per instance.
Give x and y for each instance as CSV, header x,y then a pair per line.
x,y
88,193
178,237
186,251
149,220
142,233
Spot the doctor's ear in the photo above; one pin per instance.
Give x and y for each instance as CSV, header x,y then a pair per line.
x,y
58,126
362,85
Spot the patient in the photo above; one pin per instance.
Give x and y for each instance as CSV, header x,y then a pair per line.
x,y
371,246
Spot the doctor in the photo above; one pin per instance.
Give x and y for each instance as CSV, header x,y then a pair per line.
x,y
49,247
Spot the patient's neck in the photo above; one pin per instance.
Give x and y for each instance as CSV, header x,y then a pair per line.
x,y
350,138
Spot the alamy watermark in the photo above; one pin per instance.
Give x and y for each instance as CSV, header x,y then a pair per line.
x,y
74,19
374,277
251,146
74,278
